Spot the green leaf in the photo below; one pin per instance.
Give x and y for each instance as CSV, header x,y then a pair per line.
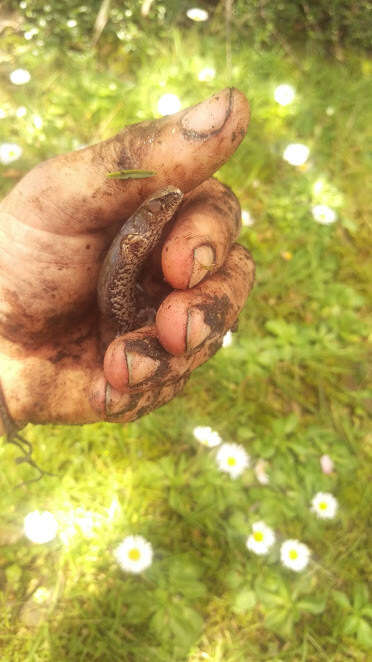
x,y
244,600
273,592
341,599
13,574
130,174
139,611
367,611
351,624
233,579
360,595
364,634
160,622
182,569
313,605
186,624
280,621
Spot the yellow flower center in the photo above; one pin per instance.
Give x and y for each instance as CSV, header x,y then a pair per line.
x,y
258,536
134,554
293,555
322,505
231,461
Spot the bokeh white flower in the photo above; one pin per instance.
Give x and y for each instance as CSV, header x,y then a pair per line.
x,y
326,464
206,436
261,539
324,505
21,111
207,74
40,527
71,23
324,214
227,339
20,76
294,555
134,554
42,595
37,121
260,471
169,104
296,154
232,459
9,152
29,34
197,14
284,94
247,218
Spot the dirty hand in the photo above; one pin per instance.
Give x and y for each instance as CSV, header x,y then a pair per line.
x,y
55,227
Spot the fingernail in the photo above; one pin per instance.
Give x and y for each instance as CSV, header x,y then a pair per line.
x,y
203,259
140,367
196,329
208,117
115,402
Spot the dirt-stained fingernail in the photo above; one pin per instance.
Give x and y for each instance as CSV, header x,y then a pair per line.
x,y
208,117
196,329
115,402
203,259
140,367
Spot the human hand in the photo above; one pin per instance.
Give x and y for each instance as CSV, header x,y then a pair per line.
x,y
55,227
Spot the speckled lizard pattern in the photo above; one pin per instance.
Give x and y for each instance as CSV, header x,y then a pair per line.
x,y
124,260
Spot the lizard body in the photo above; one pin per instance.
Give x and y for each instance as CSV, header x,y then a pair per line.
x,y
135,241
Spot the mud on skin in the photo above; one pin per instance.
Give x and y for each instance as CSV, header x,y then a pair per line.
x,y
224,204
136,405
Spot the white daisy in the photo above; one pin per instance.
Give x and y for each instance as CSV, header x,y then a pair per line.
x,y
9,152
232,459
40,527
206,436
30,33
324,214
207,74
41,595
21,111
296,154
262,538
284,94
196,14
294,555
324,505
134,554
37,121
19,76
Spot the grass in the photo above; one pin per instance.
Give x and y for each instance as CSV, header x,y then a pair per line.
x,y
292,386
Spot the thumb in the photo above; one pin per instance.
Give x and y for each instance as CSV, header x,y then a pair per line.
x,y
71,193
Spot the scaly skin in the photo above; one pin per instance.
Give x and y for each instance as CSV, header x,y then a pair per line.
x,y
123,262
